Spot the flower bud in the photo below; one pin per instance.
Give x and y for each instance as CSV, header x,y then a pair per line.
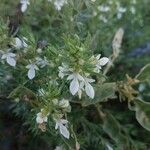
x,y
64,103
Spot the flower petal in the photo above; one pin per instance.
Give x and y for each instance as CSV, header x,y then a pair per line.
x,y
64,121
64,131
18,43
80,77
90,80
89,90
103,61
56,126
4,56
70,77
23,7
45,119
11,55
98,56
39,119
74,86
11,61
31,73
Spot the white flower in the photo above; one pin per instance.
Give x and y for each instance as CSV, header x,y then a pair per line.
x,y
122,9
120,12
133,10
104,8
74,85
31,71
41,117
99,62
64,103
63,70
19,43
39,50
42,62
24,5
103,18
88,88
10,58
61,124
59,4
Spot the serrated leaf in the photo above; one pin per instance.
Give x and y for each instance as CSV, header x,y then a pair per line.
x,y
102,93
143,113
144,74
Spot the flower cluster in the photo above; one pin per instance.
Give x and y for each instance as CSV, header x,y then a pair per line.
x,y
60,123
106,9
81,81
11,57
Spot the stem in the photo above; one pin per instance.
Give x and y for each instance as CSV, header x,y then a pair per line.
x,y
76,140
100,113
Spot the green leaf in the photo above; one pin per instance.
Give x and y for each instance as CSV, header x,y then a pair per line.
x,y
115,131
143,113
102,93
144,74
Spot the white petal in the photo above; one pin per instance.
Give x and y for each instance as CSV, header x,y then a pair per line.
x,y
98,56
39,120
80,77
90,80
58,148
29,66
39,114
45,119
64,121
97,70
74,86
109,147
56,126
64,103
35,67
31,73
11,54
18,43
103,61
89,90
25,44
61,74
4,56
70,77
23,7
64,131
11,61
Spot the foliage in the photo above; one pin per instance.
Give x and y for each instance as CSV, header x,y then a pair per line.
x,y
69,76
